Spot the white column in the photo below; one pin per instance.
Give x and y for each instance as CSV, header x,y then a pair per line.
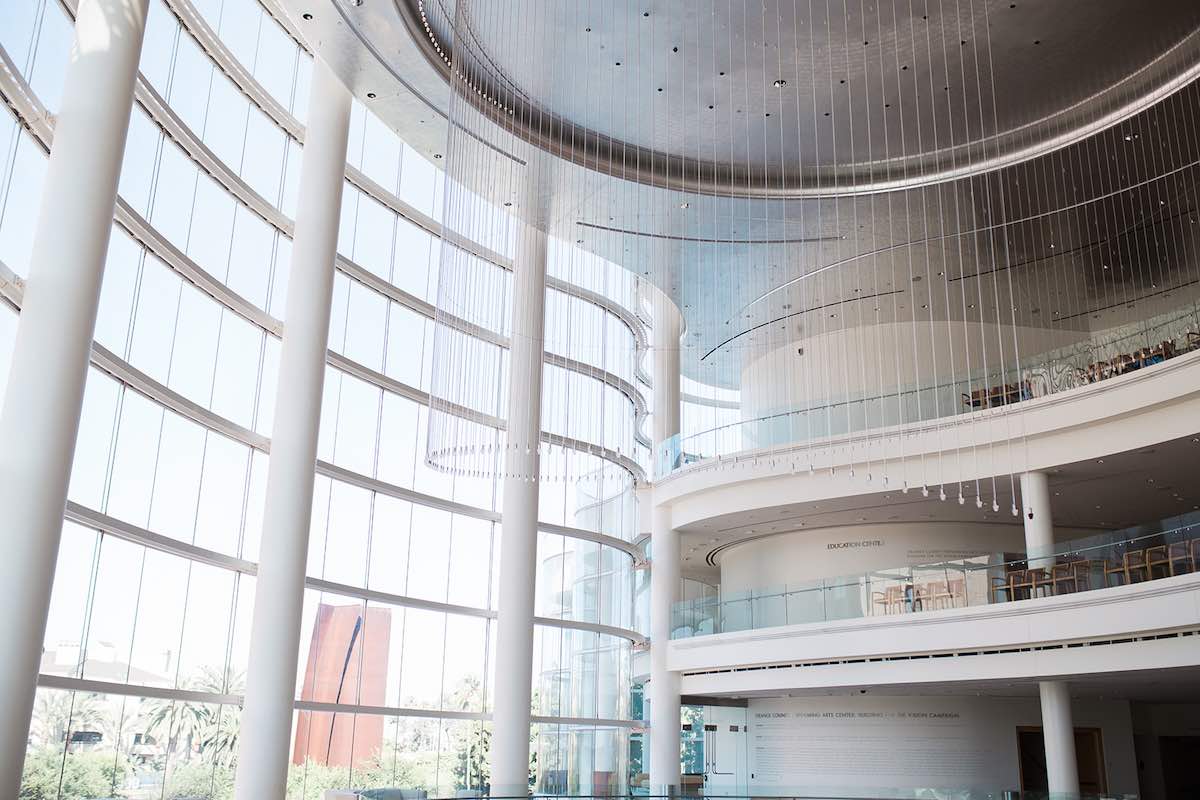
x,y
664,684
664,565
1058,730
1039,523
264,742
40,418
665,367
518,527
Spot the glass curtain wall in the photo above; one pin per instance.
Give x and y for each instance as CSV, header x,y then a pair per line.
x,y
146,646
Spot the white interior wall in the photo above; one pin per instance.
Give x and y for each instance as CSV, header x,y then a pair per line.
x,y
832,552
860,361
899,744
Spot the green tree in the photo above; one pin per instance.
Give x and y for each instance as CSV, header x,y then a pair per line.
x,y
82,776
200,779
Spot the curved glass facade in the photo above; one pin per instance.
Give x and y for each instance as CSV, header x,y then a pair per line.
x,y
147,641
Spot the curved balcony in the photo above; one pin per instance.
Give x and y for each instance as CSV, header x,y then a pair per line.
x,y
859,419
1073,567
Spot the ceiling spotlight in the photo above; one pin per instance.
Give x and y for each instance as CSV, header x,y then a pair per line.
x,y
685,205
779,83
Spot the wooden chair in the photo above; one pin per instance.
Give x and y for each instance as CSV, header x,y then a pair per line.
x,y
958,591
1064,578
891,598
1082,568
1137,569
1156,559
1115,568
1177,554
938,595
1024,584
880,600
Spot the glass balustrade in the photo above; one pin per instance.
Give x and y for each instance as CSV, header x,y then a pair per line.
x,y
1079,565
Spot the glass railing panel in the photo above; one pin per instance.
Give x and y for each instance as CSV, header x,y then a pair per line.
x,y
847,597
736,613
769,607
977,575
806,602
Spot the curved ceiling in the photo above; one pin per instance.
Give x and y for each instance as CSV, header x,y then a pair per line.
x,y
782,97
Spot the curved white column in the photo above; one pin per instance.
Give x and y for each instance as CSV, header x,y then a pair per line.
x,y
518,526
1039,521
664,565
40,418
266,722
1058,730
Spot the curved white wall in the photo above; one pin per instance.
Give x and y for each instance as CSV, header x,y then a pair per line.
x,y
869,360
803,555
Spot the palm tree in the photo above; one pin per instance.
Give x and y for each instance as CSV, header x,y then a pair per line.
x,y
209,728
57,713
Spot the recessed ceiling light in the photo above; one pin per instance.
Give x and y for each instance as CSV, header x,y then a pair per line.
x,y
779,83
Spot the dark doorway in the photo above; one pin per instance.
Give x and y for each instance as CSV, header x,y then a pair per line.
x,y
1180,755
1089,759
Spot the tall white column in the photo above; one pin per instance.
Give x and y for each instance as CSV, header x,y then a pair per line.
x,y
518,527
40,418
664,684
664,348
266,722
1058,730
1039,522
664,565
